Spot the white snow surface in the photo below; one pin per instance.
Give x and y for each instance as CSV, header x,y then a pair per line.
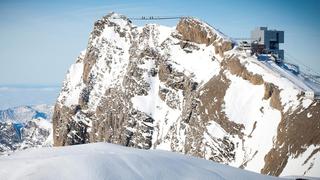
x,y
73,83
297,166
107,161
198,64
290,87
247,108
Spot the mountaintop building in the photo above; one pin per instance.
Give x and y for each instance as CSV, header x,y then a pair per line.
x,y
267,42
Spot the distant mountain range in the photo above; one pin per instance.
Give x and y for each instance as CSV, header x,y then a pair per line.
x,y
25,126
21,114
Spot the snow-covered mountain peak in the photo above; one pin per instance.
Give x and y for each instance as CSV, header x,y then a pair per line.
x,y
111,20
188,89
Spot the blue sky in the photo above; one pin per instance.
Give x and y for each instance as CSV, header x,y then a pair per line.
x,y
40,39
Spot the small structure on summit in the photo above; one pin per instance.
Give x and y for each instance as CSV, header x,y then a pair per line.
x,y
264,44
264,41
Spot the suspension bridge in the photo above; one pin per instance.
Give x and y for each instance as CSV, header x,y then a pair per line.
x,y
148,18
154,18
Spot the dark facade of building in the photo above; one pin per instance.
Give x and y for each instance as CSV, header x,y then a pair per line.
x,y
267,41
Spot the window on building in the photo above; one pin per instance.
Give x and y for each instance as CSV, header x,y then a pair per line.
x,y
273,45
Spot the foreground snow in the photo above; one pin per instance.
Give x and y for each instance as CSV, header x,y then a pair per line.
x,y
108,161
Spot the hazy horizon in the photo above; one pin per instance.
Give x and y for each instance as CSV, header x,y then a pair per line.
x,y
20,95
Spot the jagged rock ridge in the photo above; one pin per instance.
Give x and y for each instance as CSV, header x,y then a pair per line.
x,y
186,89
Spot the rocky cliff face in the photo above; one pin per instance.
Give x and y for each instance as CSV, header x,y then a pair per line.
x,y
186,89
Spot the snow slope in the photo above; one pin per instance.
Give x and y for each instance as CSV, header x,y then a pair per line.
x,y
108,161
